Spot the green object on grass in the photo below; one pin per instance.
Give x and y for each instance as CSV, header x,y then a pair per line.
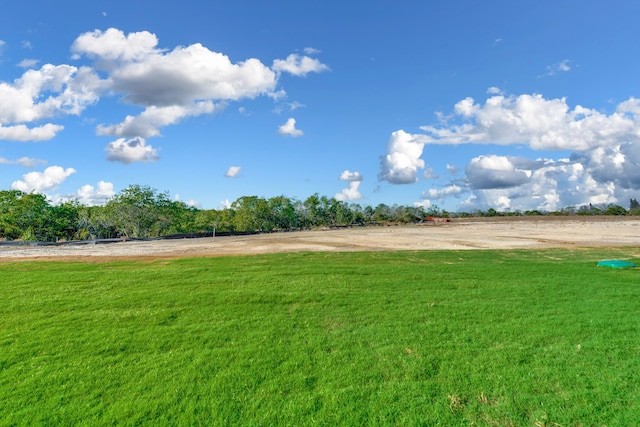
x,y
616,263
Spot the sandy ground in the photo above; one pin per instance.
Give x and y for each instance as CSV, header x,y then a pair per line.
x,y
490,233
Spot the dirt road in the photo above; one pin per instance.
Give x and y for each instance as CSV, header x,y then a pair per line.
x,y
489,233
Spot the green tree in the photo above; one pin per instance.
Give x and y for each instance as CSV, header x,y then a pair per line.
x,y
339,212
31,217
96,222
183,218
63,221
283,213
615,210
251,213
382,213
313,212
140,211
9,228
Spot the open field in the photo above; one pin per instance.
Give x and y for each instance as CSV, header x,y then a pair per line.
x,y
482,233
329,333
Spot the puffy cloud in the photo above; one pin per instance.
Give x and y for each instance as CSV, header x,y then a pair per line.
x,y
619,164
352,191
433,193
185,81
553,185
69,90
493,171
148,76
90,196
149,122
24,133
401,163
350,176
516,183
233,171
428,196
550,185
289,128
112,45
537,122
130,151
41,182
50,91
27,162
299,65
169,84
604,166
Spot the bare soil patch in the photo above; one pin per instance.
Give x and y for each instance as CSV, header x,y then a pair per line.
x,y
459,234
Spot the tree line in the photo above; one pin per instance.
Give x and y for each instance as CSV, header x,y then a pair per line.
x,y
143,212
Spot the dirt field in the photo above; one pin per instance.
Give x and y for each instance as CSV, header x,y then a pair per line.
x,y
489,233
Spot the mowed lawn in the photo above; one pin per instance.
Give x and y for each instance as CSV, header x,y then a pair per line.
x,y
538,338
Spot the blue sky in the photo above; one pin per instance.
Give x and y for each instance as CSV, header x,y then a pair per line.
x,y
460,104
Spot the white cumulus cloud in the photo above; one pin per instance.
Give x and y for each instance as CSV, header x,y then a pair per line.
x,y
540,123
171,84
130,151
149,122
41,182
401,163
167,84
24,133
604,166
147,75
52,90
299,65
352,192
89,195
114,45
435,194
350,176
491,171
289,128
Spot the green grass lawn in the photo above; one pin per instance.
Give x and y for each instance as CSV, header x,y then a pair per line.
x,y
382,338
